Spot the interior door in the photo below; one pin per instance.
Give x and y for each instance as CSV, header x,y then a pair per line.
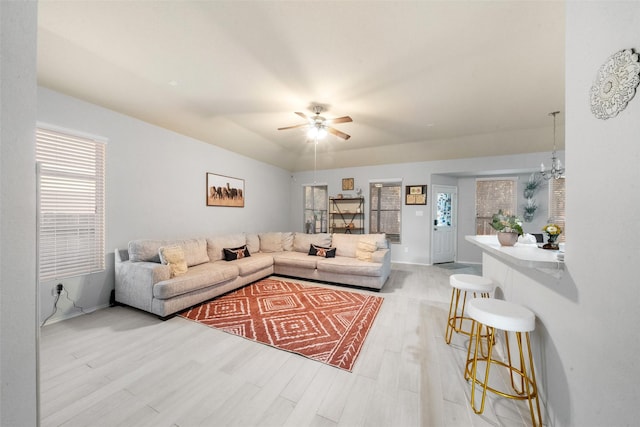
x,y
443,237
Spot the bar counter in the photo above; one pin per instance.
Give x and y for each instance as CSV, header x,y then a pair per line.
x,y
533,277
521,254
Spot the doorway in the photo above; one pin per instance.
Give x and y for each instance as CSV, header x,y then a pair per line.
x,y
444,214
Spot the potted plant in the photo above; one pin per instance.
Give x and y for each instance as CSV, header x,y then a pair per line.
x,y
530,210
509,227
553,232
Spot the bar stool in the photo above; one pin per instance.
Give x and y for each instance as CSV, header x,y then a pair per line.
x,y
494,315
461,284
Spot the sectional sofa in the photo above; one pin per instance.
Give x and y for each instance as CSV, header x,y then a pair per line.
x,y
164,277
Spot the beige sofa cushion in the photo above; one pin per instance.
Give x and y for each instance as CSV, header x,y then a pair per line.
x,y
216,244
145,250
253,243
350,266
195,250
198,277
345,244
287,241
270,242
302,241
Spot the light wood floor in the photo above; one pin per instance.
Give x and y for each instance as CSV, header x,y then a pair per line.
x,y
122,367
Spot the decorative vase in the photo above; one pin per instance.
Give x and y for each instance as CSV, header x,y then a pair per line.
x,y
552,242
507,239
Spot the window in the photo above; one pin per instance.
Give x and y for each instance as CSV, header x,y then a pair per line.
x,y
70,204
385,209
491,196
316,202
556,204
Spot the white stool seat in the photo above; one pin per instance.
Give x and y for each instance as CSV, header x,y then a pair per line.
x,y
461,284
501,314
471,283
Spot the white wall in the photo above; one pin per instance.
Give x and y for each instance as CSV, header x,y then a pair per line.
x,y
18,319
597,332
155,188
417,220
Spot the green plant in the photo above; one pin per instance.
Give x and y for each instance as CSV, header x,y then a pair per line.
x,y
506,223
530,210
532,185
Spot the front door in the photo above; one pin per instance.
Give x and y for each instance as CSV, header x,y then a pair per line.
x,y
443,237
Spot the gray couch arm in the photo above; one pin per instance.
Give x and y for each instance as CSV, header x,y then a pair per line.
x,y
135,280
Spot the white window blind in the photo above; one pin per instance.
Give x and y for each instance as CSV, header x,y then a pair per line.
x,y
556,204
491,196
385,209
71,234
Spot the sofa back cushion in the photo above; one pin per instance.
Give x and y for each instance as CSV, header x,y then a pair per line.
x,y
216,244
347,244
302,241
253,243
195,250
270,242
145,250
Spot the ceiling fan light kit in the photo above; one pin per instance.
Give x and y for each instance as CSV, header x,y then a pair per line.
x,y
319,126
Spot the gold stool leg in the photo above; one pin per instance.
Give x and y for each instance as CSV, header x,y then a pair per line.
x,y
452,319
449,331
532,385
474,364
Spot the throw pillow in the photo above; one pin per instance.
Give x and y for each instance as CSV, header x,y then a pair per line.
x,y
322,251
365,249
236,253
173,256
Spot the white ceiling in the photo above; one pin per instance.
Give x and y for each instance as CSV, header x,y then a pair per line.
x,y
422,80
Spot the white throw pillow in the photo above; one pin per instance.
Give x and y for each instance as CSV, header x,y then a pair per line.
x,y
173,256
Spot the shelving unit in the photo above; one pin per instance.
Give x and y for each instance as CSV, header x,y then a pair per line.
x,y
346,215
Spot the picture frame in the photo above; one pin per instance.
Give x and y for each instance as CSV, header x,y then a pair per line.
x,y
224,190
347,184
415,195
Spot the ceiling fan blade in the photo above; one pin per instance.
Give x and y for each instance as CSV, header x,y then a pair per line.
x,y
303,115
337,133
294,126
344,119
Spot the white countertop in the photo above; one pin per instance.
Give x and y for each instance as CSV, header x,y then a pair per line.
x,y
521,254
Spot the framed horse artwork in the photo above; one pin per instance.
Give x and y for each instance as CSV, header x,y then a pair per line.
x,y
225,191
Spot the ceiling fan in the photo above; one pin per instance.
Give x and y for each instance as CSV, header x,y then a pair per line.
x,y
319,126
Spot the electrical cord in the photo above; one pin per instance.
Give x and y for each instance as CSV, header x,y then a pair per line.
x,y
55,304
55,309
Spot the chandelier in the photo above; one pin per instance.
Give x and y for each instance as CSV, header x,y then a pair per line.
x,y
557,170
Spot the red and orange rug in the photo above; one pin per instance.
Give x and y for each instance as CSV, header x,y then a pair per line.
x,y
323,324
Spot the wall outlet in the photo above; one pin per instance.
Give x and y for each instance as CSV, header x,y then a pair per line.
x,y
57,289
406,249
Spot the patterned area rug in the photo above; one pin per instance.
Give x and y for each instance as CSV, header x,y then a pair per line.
x,y
323,324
